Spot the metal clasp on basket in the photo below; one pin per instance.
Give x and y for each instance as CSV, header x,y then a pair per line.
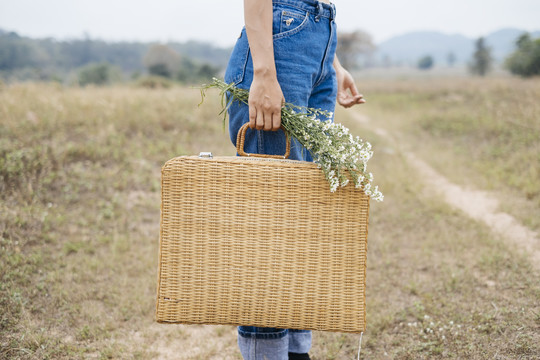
x,y
206,154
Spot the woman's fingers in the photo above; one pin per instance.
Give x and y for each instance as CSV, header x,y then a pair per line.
x,y
267,126
272,121
252,116
348,94
353,89
355,96
347,100
259,122
264,118
276,121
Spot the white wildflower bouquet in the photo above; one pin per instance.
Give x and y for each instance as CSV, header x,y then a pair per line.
x,y
338,154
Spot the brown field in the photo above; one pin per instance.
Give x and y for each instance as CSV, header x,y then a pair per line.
x,y
79,221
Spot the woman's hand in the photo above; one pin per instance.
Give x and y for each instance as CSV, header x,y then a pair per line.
x,y
265,102
347,94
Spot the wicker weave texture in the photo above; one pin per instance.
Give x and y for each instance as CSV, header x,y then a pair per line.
x,y
260,242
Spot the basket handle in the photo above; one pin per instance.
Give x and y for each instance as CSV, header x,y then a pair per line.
x,y
241,138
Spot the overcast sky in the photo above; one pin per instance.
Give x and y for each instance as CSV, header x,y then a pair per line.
x,y
220,21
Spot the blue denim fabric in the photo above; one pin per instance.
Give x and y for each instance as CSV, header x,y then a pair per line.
x,y
305,38
271,343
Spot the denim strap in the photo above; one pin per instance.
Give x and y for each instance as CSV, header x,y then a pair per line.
x,y
319,11
332,12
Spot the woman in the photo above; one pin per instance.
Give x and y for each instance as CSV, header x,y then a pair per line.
x,y
286,51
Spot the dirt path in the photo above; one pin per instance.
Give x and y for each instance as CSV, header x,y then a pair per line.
x,y
477,204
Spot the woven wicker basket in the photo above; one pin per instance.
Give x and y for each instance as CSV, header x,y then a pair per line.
x,y
261,242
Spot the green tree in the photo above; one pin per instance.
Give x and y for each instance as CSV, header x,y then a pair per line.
x,y
207,72
192,72
159,69
482,60
162,60
15,52
187,73
525,61
426,62
98,74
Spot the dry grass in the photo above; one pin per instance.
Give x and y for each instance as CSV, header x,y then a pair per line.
x,y
79,212
80,174
430,264
483,133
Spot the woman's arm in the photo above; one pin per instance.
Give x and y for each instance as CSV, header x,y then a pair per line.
x,y
346,82
265,95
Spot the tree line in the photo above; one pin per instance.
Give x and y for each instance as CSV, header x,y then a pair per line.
x,y
96,61
524,61
355,50
86,60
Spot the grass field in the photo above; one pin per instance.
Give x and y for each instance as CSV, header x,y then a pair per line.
x,y
79,221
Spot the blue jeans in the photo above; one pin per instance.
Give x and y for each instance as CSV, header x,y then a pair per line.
x,y
305,40
304,33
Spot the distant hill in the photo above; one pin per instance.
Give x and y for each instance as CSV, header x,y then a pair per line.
x,y
408,48
503,42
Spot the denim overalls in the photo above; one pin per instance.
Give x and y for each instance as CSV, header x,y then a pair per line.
x,y
304,33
